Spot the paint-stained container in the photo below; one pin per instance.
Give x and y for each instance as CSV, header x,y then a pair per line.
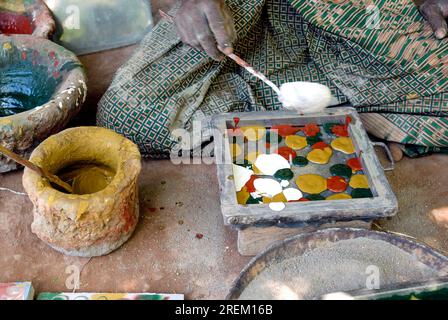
x,y
42,87
102,213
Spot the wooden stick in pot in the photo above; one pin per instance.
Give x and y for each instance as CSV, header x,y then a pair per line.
x,y
41,171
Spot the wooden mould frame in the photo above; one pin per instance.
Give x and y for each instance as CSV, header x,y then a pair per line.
x,y
300,214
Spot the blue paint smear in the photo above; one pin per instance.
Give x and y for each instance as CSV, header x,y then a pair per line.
x,y
22,89
24,86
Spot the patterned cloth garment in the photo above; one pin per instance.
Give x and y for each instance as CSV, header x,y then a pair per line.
x,y
381,57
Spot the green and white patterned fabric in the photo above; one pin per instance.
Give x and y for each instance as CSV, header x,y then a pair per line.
x,y
382,59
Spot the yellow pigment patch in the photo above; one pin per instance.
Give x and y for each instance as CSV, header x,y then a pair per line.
x,y
320,156
7,46
51,200
277,198
253,133
235,150
339,196
5,122
256,170
311,183
359,181
16,6
343,144
296,142
83,205
242,196
87,179
252,156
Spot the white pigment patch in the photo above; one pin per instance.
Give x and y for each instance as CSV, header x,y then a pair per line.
x,y
241,175
292,194
269,164
268,187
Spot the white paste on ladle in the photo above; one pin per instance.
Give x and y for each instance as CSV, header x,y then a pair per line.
x,y
305,97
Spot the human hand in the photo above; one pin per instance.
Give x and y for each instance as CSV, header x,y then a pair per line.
x,y
436,13
206,25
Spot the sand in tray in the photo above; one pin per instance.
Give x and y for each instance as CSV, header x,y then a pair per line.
x,y
340,266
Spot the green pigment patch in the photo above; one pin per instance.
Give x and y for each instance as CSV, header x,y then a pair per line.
x,y
315,197
341,170
300,161
284,174
314,139
361,193
252,200
329,126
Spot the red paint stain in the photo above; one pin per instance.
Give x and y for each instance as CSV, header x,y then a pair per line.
x,y
56,74
13,23
23,55
235,132
287,153
336,184
199,236
52,55
129,218
340,130
311,129
56,63
285,130
250,184
320,145
354,164
236,120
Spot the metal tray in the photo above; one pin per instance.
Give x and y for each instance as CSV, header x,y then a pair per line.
x,y
383,204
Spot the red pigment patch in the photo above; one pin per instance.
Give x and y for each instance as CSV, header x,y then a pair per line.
x,y
348,120
340,130
236,120
235,132
11,23
320,145
336,184
311,129
128,217
287,153
52,55
303,200
285,130
250,184
199,235
23,55
354,164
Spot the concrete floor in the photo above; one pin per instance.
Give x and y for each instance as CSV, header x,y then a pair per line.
x,y
177,204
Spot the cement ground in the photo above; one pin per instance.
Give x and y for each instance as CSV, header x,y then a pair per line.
x,y
178,204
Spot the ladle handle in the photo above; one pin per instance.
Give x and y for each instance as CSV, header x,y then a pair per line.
x,y
42,172
238,60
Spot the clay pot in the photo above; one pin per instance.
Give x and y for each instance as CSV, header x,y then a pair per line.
x,y
26,17
51,84
91,224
